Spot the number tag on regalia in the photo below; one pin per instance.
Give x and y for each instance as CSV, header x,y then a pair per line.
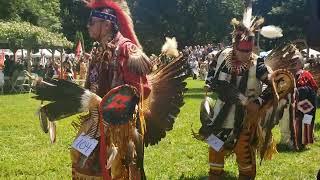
x,y
85,144
307,119
215,142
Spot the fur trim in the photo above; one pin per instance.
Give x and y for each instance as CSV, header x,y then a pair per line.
x,y
271,32
170,47
89,101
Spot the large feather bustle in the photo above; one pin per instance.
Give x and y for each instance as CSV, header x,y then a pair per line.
x,y
271,32
170,47
283,85
123,16
163,104
281,58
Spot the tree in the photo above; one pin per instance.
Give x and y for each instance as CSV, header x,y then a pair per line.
x,y
74,16
37,12
26,35
191,21
79,37
288,14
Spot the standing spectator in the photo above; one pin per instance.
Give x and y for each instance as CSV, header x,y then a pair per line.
x,y
57,70
83,69
68,71
8,66
1,72
194,65
49,70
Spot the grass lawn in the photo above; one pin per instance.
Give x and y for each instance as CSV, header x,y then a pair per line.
x,y
26,152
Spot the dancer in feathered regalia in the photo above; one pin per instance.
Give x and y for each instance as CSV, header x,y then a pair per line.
x,y
129,105
238,121
305,106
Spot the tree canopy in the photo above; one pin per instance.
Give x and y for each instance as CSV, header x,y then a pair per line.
x,y
37,12
190,21
23,34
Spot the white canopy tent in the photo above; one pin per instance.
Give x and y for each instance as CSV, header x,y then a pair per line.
x,y
20,51
312,52
7,52
46,53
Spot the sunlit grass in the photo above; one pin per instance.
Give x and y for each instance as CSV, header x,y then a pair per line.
x,y
26,152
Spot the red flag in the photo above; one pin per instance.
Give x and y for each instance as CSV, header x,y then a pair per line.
x,y
78,49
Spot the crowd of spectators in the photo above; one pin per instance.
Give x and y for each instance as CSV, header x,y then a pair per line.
x,y
199,59
72,69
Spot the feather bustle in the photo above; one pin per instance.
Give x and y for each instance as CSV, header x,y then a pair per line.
x,y
167,92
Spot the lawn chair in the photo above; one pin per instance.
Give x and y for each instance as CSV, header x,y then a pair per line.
x,y
20,84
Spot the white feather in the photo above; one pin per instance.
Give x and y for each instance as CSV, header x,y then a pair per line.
x,y
88,100
247,15
112,153
170,47
207,106
271,32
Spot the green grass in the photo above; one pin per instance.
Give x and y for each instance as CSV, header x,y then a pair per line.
x,y
26,152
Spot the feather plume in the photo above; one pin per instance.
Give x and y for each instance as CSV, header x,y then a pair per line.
x,y
234,22
271,32
256,24
52,132
170,47
89,101
112,153
282,58
247,15
43,120
131,152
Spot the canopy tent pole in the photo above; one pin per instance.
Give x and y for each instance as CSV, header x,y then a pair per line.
x,y
61,61
28,59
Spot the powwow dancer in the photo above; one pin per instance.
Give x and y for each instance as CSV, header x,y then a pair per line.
x,y
297,129
129,106
236,121
305,106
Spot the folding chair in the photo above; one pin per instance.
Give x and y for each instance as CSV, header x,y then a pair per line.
x,y
18,85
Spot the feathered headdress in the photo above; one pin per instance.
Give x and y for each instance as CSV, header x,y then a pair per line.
x,y
122,16
244,32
